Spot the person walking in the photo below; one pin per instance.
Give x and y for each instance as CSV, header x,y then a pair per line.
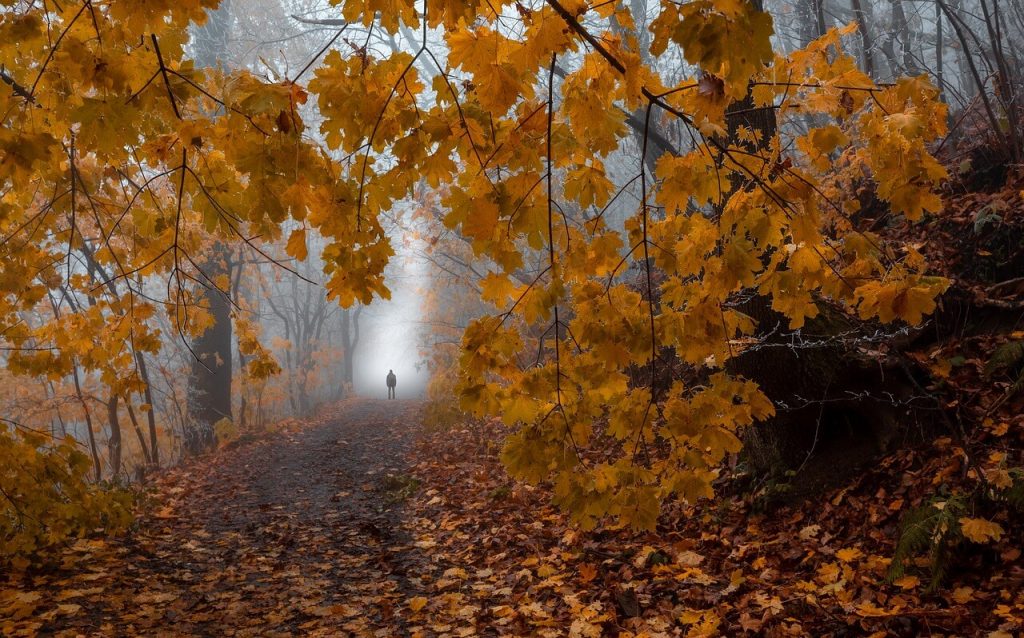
x,y
392,382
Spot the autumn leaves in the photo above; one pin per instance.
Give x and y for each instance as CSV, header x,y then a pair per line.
x,y
734,210
514,113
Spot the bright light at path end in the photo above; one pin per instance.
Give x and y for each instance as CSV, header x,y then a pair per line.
x,y
390,338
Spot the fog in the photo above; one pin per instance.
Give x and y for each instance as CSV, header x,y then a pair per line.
x,y
392,332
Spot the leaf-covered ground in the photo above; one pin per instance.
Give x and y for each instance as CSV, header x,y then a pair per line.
x,y
811,568
363,523
294,534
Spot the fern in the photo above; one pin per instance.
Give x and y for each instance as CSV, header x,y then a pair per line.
x,y
932,529
1014,495
1008,355
915,535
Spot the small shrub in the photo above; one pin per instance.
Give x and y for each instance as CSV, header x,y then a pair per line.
x,y
46,499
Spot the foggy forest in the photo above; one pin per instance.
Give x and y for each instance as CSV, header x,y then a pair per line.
x,y
583,318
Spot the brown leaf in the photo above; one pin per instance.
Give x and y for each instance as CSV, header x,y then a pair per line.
x,y
711,86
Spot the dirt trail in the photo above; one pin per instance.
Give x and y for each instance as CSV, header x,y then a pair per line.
x,y
299,533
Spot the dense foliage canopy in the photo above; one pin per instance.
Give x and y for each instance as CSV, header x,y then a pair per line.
x,y
123,164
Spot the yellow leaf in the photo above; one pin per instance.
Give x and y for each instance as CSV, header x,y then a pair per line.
x,y
296,246
693,485
588,185
639,507
497,289
417,603
999,478
481,221
849,554
979,530
870,610
689,176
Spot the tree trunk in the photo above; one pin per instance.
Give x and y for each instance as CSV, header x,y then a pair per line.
x,y
901,29
209,394
154,453
244,294
956,22
350,340
800,382
938,53
138,432
88,424
819,16
114,444
1005,86
811,16
867,45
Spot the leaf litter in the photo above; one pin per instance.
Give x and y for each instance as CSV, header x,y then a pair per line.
x,y
361,522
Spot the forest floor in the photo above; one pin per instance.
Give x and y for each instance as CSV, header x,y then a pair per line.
x,y
296,533
363,522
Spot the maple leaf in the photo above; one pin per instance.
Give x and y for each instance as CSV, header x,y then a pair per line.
x,y
979,530
589,186
296,246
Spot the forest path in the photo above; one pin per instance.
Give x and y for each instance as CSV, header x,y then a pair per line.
x,y
299,533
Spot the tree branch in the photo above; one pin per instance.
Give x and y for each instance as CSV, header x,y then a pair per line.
x,y
18,89
326,22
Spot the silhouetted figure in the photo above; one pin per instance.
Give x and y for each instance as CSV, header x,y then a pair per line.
x,y
392,382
